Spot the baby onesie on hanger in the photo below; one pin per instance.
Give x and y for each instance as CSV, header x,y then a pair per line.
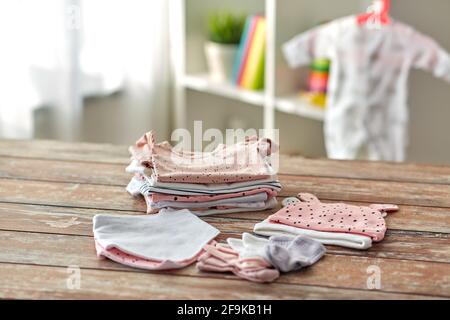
x,y
367,114
167,237
310,213
242,161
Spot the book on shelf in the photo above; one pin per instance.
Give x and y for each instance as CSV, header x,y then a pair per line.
x,y
248,71
253,75
244,45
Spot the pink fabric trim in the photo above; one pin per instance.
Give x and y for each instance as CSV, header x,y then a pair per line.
x,y
218,258
121,257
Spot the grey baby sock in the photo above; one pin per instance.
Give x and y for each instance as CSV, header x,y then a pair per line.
x,y
289,253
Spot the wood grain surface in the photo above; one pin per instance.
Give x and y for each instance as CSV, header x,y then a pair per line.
x,y
49,192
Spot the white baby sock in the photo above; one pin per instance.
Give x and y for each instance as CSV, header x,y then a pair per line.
x,y
249,246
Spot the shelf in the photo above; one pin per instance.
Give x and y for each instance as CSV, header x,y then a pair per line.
x,y
202,83
288,104
296,105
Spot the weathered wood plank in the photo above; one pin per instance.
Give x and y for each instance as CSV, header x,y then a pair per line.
x,y
370,170
69,194
293,165
116,198
55,220
43,282
402,193
63,171
77,181
328,188
59,150
338,271
78,171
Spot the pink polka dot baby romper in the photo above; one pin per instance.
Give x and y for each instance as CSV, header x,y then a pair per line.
x,y
310,213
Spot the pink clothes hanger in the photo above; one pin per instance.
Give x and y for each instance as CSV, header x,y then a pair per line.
x,y
377,14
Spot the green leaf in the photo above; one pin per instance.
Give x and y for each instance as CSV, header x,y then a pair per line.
x,y
225,27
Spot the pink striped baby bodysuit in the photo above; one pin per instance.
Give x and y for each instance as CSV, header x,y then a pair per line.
x,y
221,258
155,197
243,161
310,213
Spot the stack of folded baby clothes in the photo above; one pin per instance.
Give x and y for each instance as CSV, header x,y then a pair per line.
x,y
337,224
231,178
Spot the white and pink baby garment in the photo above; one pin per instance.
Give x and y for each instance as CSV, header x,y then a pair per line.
x,y
242,161
222,258
171,239
229,179
367,113
329,223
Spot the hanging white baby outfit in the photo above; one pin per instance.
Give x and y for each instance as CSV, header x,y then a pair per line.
x,y
367,114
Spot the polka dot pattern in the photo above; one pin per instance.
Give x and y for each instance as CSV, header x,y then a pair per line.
x,y
312,214
124,258
242,161
155,197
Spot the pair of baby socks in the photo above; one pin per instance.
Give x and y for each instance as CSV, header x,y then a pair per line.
x,y
285,253
220,258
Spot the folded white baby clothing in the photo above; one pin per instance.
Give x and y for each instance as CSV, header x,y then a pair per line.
x,y
243,161
354,241
241,202
199,188
169,239
235,197
270,204
204,182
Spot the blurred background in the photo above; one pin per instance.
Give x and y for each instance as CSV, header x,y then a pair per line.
x,y
107,71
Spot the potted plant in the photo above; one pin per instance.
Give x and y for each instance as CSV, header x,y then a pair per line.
x,y
224,34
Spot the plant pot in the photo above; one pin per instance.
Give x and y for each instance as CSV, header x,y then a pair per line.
x,y
220,59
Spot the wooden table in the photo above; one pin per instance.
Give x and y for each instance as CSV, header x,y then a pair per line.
x,y
49,192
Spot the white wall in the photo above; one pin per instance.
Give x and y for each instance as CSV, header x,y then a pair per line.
x,y
119,119
429,98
